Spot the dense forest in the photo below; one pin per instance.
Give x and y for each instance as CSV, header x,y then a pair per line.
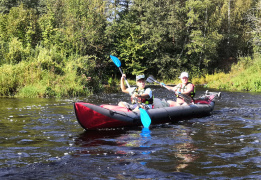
x,y
63,47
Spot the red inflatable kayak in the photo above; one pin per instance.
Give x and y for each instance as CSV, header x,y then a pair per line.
x,y
92,116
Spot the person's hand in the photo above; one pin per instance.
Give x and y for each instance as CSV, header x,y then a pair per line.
x,y
123,76
134,95
162,84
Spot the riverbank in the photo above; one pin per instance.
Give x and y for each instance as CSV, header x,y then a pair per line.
x,y
46,79
29,79
244,76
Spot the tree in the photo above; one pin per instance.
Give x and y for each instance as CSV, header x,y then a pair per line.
x,y
74,26
254,19
20,25
6,5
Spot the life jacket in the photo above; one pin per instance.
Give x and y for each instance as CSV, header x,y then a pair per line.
x,y
184,88
142,100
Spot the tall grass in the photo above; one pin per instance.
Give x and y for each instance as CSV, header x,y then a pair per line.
x,y
46,75
244,76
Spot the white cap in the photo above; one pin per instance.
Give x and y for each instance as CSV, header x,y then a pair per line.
x,y
142,76
183,74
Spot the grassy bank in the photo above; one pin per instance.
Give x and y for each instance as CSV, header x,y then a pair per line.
x,y
28,79
49,79
244,76
44,78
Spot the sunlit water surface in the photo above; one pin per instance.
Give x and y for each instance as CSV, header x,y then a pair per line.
x,y
41,139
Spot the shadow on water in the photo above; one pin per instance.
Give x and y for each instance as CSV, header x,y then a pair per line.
x,y
41,139
99,137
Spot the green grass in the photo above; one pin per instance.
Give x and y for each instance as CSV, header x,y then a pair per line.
x,y
244,76
28,79
45,78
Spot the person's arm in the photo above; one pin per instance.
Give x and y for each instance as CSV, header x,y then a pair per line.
x,y
123,87
169,87
175,88
147,94
141,96
144,96
190,89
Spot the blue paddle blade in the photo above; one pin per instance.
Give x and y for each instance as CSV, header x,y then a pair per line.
x,y
145,119
116,61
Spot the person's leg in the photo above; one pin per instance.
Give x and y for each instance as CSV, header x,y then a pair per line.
x,y
173,103
136,109
122,104
180,102
127,105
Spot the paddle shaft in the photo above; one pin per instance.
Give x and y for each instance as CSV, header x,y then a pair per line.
x,y
186,98
117,62
163,85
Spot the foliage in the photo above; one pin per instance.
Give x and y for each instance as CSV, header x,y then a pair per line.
x,y
74,26
254,17
46,78
244,76
129,43
62,47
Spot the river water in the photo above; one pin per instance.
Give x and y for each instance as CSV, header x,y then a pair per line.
x,y
41,139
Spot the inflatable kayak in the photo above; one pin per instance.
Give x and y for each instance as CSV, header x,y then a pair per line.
x,y
92,116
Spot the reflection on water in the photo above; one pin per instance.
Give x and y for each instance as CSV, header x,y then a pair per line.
x,y
145,135
41,139
184,149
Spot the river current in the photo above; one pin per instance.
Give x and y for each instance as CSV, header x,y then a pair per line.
x,y
41,139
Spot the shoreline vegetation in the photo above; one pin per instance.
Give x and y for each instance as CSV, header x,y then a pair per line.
x,y
27,79
62,48
243,76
